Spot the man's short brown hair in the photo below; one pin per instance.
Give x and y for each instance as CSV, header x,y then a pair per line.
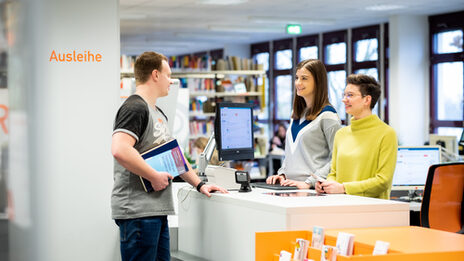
x,y
367,86
145,64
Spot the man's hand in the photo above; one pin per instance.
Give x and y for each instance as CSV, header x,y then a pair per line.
x,y
275,179
207,188
333,187
298,184
160,180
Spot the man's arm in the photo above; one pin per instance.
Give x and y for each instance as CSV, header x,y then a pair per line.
x,y
192,178
122,148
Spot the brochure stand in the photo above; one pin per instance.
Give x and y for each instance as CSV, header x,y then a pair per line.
x,y
406,244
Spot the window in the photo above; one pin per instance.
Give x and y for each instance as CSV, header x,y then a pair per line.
x,y
307,47
335,57
447,73
283,96
283,59
283,79
368,51
309,52
260,54
365,50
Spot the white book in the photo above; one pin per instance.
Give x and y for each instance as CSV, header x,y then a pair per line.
x,y
285,256
317,240
301,249
381,248
345,243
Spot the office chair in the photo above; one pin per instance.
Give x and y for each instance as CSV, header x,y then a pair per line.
x,y
442,205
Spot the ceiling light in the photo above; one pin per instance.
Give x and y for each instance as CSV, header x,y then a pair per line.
x,y
384,7
246,29
290,20
221,2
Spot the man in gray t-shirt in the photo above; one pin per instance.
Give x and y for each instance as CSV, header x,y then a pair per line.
x,y
139,126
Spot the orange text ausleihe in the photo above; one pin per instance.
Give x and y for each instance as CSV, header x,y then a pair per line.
x,y
74,56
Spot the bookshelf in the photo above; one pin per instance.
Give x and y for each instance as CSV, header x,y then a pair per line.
x,y
234,86
209,81
209,87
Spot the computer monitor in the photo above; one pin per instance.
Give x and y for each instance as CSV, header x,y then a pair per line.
x,y
233,131
412,166
449,142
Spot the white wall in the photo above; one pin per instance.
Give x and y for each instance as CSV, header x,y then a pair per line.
x,y
61,123
409,78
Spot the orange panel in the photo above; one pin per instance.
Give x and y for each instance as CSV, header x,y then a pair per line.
x,y
270,243
407,239
446,198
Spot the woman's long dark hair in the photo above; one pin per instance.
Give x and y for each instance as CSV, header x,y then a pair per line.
x,y
321,96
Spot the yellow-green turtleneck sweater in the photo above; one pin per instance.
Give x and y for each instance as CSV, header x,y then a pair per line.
x,y
364,157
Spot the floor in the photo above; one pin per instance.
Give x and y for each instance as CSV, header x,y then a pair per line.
x,y
4,246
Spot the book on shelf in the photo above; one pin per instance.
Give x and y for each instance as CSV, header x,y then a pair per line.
x,y
317,240
301,249
345,242
380,248
166,157
329,253
201,127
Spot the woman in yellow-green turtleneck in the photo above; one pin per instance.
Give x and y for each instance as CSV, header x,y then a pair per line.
x,y
364,154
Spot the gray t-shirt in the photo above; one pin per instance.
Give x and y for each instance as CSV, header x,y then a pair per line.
x,y
149,128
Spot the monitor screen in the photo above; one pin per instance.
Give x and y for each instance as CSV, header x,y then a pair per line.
x,y
234,131
412,166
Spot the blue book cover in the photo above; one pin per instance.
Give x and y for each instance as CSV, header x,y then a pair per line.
x,y
164,158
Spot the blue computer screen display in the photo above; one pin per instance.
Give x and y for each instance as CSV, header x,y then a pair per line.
x,y
234,131
236,128
413,163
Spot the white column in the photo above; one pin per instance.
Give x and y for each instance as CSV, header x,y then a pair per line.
x,y
409,78
62,114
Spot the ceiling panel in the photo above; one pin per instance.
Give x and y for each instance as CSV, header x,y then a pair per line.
x,y
147,23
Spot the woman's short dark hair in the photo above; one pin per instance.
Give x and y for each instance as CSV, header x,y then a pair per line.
x,y
321,92
145,64
367,86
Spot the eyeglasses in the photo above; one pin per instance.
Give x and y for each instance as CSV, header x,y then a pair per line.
x,y
350,95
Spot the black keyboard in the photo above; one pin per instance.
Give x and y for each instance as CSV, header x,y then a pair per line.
x,y
272,186
417,199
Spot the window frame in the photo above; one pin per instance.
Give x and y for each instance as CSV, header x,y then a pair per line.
x,y
371,32
439,24
264,47
279,45
333,38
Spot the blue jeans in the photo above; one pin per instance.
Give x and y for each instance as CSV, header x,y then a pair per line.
x,y
144,239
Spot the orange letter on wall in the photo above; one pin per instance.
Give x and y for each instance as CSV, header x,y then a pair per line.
x,y
3,119
53,56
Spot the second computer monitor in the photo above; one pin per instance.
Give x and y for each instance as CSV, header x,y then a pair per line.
x,y
234,131
412,166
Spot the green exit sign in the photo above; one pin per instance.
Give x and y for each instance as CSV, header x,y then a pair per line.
x,y
293,29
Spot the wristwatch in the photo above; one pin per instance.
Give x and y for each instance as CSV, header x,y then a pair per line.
x,y
200,185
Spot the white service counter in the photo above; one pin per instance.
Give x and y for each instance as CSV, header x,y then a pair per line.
x,y
223,227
